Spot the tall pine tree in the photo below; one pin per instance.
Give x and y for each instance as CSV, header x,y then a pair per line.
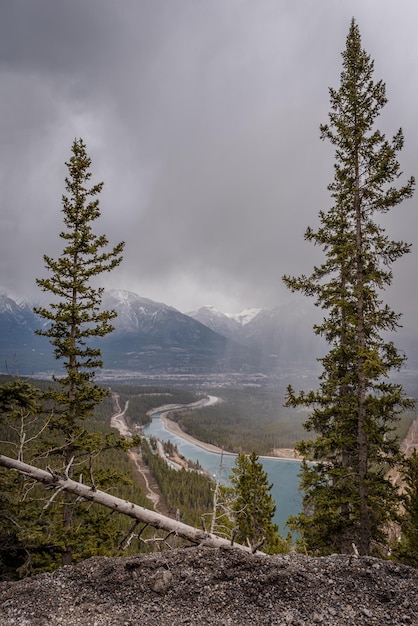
x,y
253,506
354,412
75,318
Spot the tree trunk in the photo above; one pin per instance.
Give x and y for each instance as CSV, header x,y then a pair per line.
x,y
117,504
362,439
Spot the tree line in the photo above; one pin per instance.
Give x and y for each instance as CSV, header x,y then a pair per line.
x,y
230,424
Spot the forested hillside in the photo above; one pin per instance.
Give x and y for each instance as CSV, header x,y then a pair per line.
x,y
247,420
23,549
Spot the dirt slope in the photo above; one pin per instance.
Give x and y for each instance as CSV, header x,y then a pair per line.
x,y
202,586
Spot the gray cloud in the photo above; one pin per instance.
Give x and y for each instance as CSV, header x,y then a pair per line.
x,y
202,118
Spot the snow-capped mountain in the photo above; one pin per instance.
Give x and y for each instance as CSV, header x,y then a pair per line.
x,y
217,321
156,338
245,316
20,348
227,324
277,336
283,335
148,336
152,336
17,320
134,313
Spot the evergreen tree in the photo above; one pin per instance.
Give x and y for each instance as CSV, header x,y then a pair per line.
x,y
31,534
407,550
21,424
253,505
355,410
74,317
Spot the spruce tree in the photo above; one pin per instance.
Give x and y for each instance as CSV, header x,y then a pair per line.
x,y
253,506
407,548
75,319
347,498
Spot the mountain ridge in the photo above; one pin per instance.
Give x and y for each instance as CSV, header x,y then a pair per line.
x,y
148,336
153,337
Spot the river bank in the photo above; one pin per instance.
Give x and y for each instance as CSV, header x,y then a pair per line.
x,y
282,474
287,454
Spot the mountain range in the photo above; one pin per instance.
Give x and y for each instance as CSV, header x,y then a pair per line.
x,y
152,337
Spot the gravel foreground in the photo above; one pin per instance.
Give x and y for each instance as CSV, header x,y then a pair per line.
x,y
201,586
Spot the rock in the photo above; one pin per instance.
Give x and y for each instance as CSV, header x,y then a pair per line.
x,y
161,582
222,587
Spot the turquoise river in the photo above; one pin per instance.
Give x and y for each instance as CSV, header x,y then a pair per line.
x,y
282,473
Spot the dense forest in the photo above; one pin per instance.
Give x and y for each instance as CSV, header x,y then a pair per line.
x,y
188,494
112,469
252,420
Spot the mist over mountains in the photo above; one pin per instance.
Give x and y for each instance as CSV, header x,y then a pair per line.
x,y
155,338
280,337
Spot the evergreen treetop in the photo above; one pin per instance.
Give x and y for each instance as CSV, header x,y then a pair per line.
x,y
253,506
74,319
75,315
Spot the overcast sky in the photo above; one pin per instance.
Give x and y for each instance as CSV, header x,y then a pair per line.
x,y
202,118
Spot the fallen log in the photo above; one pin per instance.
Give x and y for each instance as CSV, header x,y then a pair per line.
x,y
156,520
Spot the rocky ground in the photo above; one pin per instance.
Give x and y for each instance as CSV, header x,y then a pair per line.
x,y
201,586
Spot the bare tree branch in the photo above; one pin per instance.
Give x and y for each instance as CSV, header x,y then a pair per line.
x,y
125,507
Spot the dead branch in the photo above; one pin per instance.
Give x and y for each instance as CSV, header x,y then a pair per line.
x,y
67,469
125,507
52,498
126,540
161,540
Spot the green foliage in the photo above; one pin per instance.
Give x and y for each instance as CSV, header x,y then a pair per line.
x,y
407,550
355,411
186,492
32,537
253,507
143,399
13,553
75,314
73,320
21,424
22,418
